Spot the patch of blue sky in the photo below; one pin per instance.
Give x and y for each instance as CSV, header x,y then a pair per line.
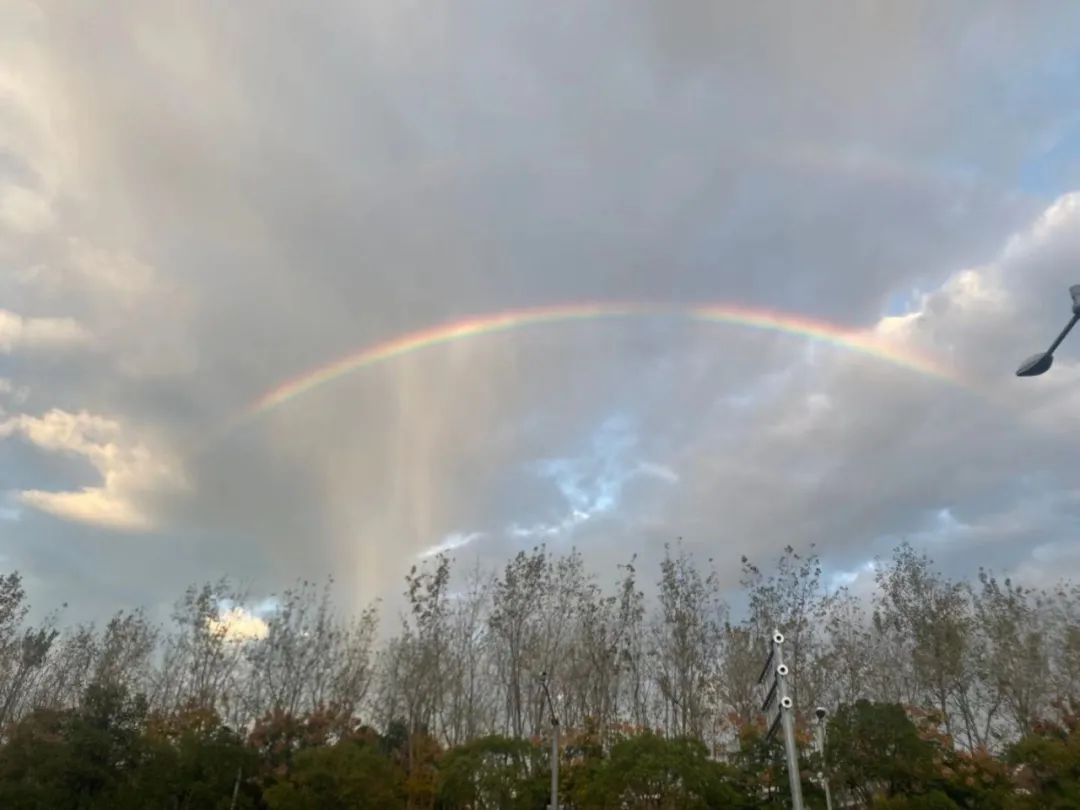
x,y
1055,171
850,577
1052,168
10,512
592,483
900,302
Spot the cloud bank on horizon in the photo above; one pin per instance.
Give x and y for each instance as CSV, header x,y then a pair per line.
x,y
199,206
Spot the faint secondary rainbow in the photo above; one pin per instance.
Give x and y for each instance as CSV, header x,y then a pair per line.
x,y
862,341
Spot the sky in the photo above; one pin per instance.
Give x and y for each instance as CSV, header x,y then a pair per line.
x,y
201,203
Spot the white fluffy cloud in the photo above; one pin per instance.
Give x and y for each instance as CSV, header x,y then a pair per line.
x,y
17,332
238,624
452,542
855,456
129,470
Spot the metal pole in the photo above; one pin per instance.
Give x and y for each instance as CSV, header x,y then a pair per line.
x,y
554,764
236,789
554,745
787,718
1064,332
824,765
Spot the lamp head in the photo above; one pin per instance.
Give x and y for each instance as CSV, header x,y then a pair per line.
x,y
1035,365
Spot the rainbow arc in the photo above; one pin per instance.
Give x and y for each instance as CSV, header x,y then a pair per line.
x,y
862,341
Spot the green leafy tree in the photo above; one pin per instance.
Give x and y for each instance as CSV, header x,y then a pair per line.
x,y
648,771
935,800
759,769
351,775
932,614
277,737
76,759
875,750
494,773
190,760
34,763
1049,762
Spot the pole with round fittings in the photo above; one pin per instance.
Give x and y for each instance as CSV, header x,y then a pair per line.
x,y
779,696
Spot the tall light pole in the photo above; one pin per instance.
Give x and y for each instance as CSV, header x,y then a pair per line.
x,y
820,712
778,696
554,744
1040,363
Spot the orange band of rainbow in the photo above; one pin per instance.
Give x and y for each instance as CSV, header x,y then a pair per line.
x,y
863,341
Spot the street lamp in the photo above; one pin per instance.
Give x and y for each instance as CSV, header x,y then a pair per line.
x,y
820,712
1040,363
554,745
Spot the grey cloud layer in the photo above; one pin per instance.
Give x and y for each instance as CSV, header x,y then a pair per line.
x,y
225,197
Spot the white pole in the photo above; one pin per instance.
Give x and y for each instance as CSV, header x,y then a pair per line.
x,y
824,766
787,718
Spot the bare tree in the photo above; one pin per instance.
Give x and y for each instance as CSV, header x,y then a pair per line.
x,y
739,667
124,652
467,708
412,669
933,614
845,659
202,658
989,659
350,664
515,623
634,651
1063,612
24,651
292,666
1013,657
69,669
791,599
594,659
686,643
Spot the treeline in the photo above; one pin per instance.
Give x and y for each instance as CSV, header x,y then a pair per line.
x,y
940,693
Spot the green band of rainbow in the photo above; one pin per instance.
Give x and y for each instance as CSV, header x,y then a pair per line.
x,y
863,341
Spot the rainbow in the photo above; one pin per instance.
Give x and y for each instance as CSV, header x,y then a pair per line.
x,y
863,341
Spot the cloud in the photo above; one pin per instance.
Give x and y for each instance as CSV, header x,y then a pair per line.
x,y
450,543
978,472
129,471
17,332
113,279
13,394
659,471
225,200
237,624
140,319
24,210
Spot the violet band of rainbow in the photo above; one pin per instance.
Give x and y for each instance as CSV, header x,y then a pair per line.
x,y
859,340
